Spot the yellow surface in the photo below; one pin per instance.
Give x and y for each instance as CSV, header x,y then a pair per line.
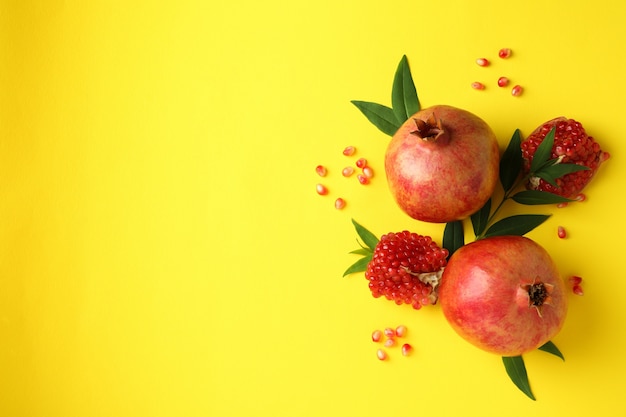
x,y
162,249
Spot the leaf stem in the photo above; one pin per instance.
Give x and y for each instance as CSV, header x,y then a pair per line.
x,y
507,196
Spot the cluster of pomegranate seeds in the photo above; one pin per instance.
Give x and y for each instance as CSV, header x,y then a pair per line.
x,y
391,335
503,53
571,145
405,268
575,282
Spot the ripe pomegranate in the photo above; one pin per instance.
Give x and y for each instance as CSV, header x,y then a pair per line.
x,y
503,294
442,164
571,145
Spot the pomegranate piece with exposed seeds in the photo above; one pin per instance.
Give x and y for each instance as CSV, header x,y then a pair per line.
x,y
503,294
571,145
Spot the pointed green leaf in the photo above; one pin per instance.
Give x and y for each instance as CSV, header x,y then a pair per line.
x,y
480,218
362,251
358,266
453,237
551,348
366,236
516,369
381,116
517,225
543,152
511,162
404,100
551,172
536,197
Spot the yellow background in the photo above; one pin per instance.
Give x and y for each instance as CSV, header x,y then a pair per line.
x,y
163,251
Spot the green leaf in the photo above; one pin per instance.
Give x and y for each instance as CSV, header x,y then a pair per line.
x,y
362,251
511,162
543,152
516,225
536,197
366,236
516,370
381,116
453,237
550,173
358,266
404,100
551,348
480,218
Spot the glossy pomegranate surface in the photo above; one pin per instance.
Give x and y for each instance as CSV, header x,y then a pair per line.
x,y
442,164
504,295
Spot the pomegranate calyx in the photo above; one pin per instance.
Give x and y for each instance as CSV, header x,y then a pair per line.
x,y
430,130
429,278
539,294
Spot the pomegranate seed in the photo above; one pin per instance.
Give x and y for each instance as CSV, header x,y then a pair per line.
x,y
401,331
377,335
517,91
581,197
561,232
368,172
363,179
483,62
604,156
349,151
347,171
321,170
406,349
575,280
561,205
505,53
390,342
361,163
381,354
340,203
478,86
578,290
389,332
503,82
321,189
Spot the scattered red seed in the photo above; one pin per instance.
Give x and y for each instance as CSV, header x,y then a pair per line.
x,y
478,86
340,203
505,53
561,205
483,62
401,331
321,189
390,342
503,82
349,151
406,349
368,172
575,280
381,354
604,156
389,332
321,170
347,171
517,91
363,179
377,335
562,232
361,163
578,290
580,197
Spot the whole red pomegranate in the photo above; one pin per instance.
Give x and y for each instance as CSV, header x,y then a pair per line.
x,y
503,294
442,164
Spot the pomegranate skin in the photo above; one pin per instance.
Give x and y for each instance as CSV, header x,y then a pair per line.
x,y
484,295
446,178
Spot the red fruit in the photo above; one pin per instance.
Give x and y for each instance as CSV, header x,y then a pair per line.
x,y
505,53
571,145
483,62
503,294
377,336
478,85
405,268
406,349
321,170
517,91
340,203
442,164
561,232
361,163
503,82
321,189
